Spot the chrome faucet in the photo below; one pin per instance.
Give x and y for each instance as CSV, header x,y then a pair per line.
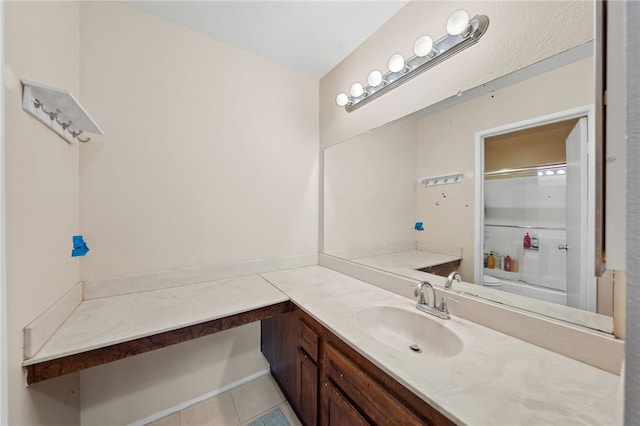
x,y
452,276
428,305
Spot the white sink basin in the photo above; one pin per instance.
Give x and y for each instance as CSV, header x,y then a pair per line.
x,y
408,331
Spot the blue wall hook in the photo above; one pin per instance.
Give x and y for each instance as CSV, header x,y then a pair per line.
x,y
79,246
418,226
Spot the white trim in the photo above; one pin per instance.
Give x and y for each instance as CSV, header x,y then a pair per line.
x,y
582,111
4,394
176,408
632,332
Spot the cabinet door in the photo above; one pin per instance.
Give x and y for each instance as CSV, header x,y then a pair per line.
x,y
278,344
365,393
336,410
307,389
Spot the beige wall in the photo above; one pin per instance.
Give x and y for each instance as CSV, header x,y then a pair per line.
x,y
209,157
41,44
450,135
520,33
124,391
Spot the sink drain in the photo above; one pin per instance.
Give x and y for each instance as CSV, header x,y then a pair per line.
x,y
415,348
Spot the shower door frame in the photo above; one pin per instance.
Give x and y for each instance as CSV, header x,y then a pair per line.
x,y
587,111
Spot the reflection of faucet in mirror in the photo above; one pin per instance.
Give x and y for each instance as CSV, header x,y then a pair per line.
x,y
452,276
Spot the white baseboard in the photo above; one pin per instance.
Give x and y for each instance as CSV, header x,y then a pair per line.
x,y
176,408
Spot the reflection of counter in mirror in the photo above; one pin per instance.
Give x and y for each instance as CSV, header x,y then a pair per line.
x,y
415,260
373,198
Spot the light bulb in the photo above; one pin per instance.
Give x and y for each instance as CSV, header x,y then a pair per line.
x,y
458,22
423,46
540,174
549,173
396,63
342,99
375,78
561,172
356,89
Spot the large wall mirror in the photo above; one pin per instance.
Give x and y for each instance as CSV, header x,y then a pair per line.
x,y
504,169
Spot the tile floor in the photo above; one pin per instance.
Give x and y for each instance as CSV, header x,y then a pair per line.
x,y
235,407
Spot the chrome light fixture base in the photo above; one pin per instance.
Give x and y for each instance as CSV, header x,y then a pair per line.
x,y
443,49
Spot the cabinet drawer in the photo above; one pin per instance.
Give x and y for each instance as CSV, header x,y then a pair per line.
x,y
366,395
308,341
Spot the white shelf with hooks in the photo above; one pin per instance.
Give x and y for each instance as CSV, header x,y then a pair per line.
x,y
441,180
58,110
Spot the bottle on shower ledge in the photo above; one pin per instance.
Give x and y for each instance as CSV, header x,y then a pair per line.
x,y
491,261
514,265
527,241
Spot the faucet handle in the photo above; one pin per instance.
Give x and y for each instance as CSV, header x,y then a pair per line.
x,y
443,304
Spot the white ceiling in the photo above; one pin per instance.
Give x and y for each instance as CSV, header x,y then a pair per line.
x,y
309,36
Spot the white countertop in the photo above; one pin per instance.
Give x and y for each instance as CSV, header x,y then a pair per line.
x,y
400,262
495,380
98,323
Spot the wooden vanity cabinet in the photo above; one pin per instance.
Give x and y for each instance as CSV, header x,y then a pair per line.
x,y
329,383
292,349
443,269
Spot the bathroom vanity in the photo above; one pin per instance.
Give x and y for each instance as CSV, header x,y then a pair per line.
x,y
347,347
327,382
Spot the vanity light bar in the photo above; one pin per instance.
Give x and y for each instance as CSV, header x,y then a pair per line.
x,y
462,33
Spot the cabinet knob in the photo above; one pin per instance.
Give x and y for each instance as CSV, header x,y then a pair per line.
x,y
341,376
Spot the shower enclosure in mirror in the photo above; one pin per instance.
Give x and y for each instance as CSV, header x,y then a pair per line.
x,y
374,198
536,219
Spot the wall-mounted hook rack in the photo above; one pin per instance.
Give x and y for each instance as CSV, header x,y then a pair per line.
x,y
441,180
58,110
